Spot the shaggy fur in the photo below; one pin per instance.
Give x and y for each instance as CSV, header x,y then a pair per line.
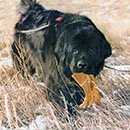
x,y
69,43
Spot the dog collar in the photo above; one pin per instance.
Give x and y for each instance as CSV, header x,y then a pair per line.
x,y
59,19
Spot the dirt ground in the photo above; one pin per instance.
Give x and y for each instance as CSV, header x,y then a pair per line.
x,y
22,101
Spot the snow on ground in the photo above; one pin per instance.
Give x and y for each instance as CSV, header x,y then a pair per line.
x,y
1,87
124,112
6,62
111,61
84,13
121,67
39,124
115,92
5,58
126,76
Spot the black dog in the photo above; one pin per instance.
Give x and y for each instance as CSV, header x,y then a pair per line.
x,y
57,45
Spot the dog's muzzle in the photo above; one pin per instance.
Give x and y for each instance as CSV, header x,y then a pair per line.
x,y
82,65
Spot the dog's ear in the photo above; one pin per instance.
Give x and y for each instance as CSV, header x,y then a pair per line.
x,y
105,46
60,51
60,45
106,49
25,4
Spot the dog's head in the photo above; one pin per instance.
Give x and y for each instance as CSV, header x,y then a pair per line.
x,y
82,48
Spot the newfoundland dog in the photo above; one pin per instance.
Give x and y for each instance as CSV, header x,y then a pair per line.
x,y
55,45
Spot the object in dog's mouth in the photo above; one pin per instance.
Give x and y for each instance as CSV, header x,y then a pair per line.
x,y
89,85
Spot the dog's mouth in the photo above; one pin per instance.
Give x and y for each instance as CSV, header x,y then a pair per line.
x,y
88,70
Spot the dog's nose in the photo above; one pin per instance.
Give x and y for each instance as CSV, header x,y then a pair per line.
x,y
82,65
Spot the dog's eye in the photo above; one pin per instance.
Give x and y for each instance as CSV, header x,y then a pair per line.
x,y
91,50
75,51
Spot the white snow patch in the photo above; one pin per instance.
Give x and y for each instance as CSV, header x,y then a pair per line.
x,y
103,10
127,108
111,60
128,37
123,112
115,10
84,128
128,7
114,60
5,50
84,13
114,51
39,124
122,67
115,92
102,99
108,60
1,87
77,1
126,21
6,62
126,76
90,113
41,84
111,19
22,128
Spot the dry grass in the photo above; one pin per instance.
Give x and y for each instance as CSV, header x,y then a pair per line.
x,y
21,101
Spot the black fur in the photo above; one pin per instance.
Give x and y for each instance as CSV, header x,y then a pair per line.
x,y
71,43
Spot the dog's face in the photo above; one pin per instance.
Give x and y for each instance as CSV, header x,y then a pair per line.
x,y
82,48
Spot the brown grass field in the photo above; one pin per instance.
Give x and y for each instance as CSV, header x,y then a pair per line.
x,y
22,101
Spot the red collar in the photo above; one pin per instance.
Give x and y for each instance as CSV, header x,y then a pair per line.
x,y
59,19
